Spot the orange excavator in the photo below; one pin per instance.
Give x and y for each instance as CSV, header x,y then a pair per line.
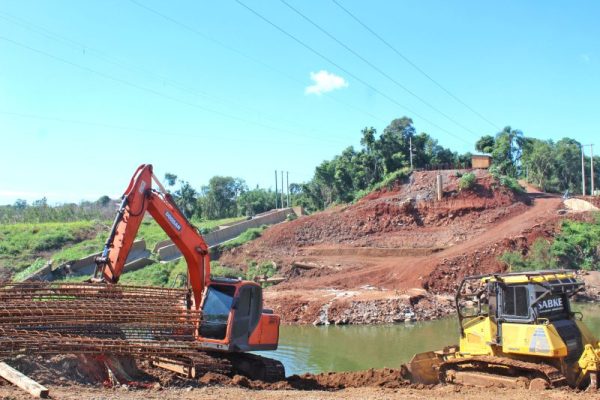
x,y
233,320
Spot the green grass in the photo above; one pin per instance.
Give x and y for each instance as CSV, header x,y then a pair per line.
x,y
37,264
152,233
22,244
166,275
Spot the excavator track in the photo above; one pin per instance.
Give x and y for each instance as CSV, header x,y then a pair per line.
x,y
256,367
501,371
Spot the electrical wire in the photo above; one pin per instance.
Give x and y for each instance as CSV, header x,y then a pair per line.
x,y
247,56
412,64
376,68
321,55
128,66
155,92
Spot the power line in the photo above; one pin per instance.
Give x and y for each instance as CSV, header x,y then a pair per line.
x,y
128,66
319,54
150,90
89,123
415,66
370,64
245,55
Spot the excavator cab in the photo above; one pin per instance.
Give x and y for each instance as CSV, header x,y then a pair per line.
x,y
234,319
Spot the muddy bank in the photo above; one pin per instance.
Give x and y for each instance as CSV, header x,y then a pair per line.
x,y
358,307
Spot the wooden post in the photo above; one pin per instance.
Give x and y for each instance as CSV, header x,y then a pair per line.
x,y
439,187
22,381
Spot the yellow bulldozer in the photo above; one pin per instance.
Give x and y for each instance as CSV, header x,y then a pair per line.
x,y
516,330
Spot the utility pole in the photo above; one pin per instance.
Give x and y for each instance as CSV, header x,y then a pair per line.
x,y
287,184
281,188
411,156
582,172
276,189
592,166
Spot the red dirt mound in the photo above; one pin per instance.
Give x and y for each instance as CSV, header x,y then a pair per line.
x,y
405,217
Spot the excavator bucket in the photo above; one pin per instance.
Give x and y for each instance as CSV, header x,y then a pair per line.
x,y
423,368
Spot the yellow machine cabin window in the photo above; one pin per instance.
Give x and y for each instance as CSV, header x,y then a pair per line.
x,y
516,301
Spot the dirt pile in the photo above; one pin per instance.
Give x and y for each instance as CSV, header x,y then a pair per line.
x,y
100,371
448,273
407,216
594,200
359,264
385,378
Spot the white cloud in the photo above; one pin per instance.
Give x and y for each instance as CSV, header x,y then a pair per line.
x,y
325,82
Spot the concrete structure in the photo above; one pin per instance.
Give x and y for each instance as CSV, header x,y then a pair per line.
x,y
86,265
167,251
42,274
482,161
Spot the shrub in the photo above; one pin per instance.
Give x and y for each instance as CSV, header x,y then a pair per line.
x,y
219,270
266,268
467,181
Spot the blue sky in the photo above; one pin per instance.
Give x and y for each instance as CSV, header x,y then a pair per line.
x,y
89,90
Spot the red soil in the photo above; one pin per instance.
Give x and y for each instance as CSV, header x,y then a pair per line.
x,y
398,239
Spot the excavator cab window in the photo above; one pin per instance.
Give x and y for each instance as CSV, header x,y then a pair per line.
x,y
248,308
215,311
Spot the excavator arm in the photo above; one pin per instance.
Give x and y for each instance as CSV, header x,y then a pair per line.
x,y
139,198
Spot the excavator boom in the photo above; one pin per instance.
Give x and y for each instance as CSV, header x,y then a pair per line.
x,y
139,198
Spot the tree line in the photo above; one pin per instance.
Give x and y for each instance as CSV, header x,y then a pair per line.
x,y
381,160
553,166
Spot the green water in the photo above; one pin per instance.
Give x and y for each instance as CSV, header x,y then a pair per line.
x,y
350,348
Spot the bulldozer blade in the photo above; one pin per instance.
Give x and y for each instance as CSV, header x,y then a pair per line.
x,y
423,368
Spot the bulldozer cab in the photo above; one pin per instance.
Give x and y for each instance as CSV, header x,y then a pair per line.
x,y
524,298
515,329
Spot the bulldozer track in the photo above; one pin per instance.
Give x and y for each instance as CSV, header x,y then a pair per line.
x,y
491,364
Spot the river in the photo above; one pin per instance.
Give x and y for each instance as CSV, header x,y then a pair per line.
x,y
350,348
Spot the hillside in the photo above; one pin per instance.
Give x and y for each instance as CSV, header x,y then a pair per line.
x,y
403,221
25,247
397,251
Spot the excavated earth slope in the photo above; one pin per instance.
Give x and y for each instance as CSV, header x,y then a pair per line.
x,y
397,253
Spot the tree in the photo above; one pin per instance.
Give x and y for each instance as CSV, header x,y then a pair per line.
x,y
255,201
103,201
506,150
393,144
170,178
539,160
219,197
485,144
186,199
568,165
20,204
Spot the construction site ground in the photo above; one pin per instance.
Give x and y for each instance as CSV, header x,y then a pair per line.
x,y
364,393
67,380
398,253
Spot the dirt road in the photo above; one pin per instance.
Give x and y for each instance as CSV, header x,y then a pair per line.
x,y
347,283
442,392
